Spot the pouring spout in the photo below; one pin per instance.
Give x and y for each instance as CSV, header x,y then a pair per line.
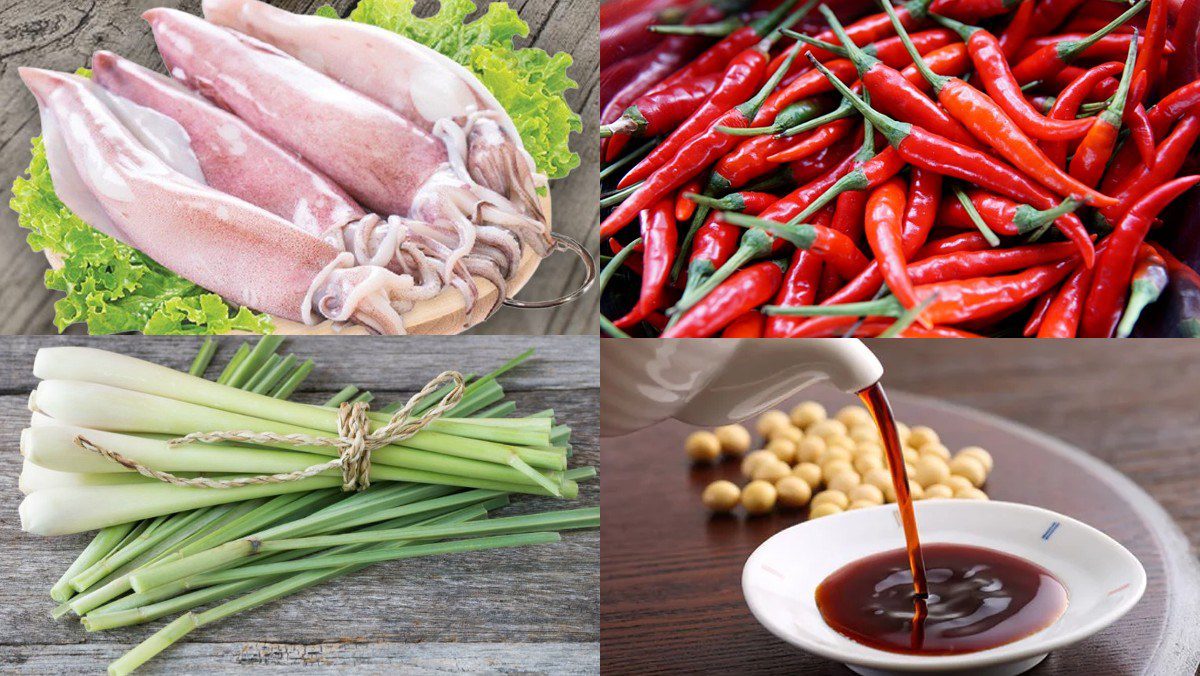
x,y
713,382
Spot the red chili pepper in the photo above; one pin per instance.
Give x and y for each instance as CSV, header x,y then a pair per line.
x,y
1038,315
1172,106
864,31
806,86
1150,58
951,60
971,10
959,257
1066,306
924,197
1150,279
696,154
893,94
941,155
990,124
1003,216
799,147
1055,53
684,207
801,284
741,78
659,111
1096,148
884,218
1004,90
1169,159
1018,30
624,32
656,65
658,240
1142,134
889,50
1115,263
754,157
760,237
1049,14
955,301
1066,105
745,290
715,241
717,57
848,214
749,325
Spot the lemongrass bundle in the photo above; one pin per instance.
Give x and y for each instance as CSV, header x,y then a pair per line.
x,y
245,546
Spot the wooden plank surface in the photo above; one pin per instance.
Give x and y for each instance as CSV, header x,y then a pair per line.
x,y
62,34
671,584
529,610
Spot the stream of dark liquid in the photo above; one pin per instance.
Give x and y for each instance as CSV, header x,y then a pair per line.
x,y
940,599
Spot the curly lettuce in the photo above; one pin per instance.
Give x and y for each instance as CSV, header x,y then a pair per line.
x,y
528,82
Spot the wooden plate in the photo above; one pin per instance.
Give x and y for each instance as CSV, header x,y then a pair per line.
x,y
671,574
443,314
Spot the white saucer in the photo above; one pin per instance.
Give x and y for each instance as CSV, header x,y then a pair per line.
x,y
1103,579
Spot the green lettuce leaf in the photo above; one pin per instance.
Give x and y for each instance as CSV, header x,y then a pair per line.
x,y
528,82
109,286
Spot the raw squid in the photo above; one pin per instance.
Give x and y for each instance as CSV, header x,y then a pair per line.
x,y
108,176
426,87
236,159
387,163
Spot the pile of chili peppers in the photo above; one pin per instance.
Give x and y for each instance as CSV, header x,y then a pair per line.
x,y
941,168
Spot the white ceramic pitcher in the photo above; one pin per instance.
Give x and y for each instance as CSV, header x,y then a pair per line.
x,y
719,381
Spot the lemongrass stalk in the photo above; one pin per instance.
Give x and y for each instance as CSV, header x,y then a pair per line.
x,y
100,546
567,519
197,590
265,513
390,553
34,478
560,435
273,377
204,357
363,398
236,360
263,350
163,531
180,627
75,509
129,373
345,394
498,411
251,384
294,379
337,518
102,407
109,408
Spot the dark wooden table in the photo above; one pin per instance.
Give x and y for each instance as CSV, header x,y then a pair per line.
x,y
62,34
531,610
671,573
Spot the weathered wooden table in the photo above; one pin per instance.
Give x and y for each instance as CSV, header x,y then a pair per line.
x,y
62,34
533,610
671,573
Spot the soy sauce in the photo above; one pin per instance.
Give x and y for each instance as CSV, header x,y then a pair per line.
x,y
939,599
978,599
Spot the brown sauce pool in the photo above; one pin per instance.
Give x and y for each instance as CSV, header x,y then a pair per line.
x,y
937,599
